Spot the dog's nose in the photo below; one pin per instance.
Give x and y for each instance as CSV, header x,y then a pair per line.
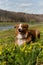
x,y
19,30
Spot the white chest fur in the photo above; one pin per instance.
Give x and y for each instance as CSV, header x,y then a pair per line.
x,y
20,41
19,36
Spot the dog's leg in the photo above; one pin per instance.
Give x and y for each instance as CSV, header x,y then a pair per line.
x,y
29,39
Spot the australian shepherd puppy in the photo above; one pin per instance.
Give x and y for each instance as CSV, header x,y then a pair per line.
x,y
24,35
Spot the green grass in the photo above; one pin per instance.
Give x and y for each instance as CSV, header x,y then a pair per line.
x,y
6,23
24,55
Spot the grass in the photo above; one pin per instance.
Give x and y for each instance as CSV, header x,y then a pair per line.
x,y
24,55
7,36
6,23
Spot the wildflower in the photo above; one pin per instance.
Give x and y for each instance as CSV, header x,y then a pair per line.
x,y
13,49
22,49
0,52
25,51
8,49
5,44
30,48
4,62
32,44
0,47
41,47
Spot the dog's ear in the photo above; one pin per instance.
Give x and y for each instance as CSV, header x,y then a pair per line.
x,y
26,25
16,26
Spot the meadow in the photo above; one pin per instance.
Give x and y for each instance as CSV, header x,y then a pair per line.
x,y
28,54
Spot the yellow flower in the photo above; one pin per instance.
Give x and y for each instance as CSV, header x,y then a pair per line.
x,y
0,52
8,49
25,51
32,44
0,47
4,62
41,47
14,49
30,48
5,45
22,49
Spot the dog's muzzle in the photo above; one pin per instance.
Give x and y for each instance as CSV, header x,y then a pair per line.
x,y
20,30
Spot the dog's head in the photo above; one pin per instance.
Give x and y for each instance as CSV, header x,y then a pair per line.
x,y
21,28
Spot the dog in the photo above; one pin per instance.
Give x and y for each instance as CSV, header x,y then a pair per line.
x,y
35,34
24,35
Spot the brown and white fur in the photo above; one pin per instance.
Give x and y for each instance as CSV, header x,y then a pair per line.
x,y
35,34
24,35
